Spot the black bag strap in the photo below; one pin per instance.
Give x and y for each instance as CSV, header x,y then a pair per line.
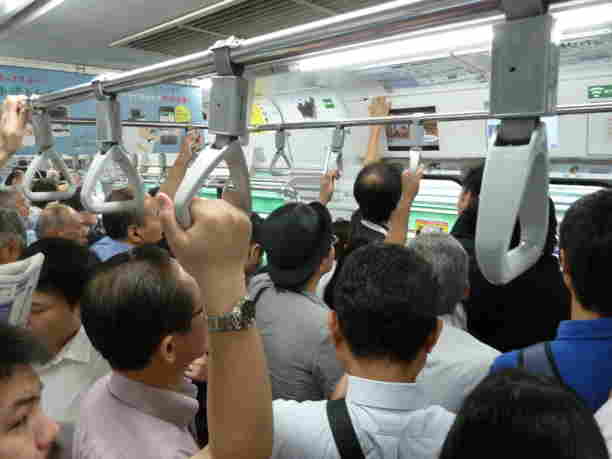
x,y
256,299
538,359
343,430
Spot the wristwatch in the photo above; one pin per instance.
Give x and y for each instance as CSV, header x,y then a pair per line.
x,y
241,317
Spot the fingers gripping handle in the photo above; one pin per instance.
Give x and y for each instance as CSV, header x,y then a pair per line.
x,y
198,173
41,123
515,184
118,154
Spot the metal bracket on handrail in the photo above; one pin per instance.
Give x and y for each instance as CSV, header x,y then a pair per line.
x,y
228,121
334,160
108,122
281,140
41,124
515,184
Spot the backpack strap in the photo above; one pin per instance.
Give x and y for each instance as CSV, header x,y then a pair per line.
x,y
343,430
256,299
538,359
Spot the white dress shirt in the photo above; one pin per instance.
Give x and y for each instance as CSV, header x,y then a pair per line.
x,y
68,377
455,367
603,416
391,421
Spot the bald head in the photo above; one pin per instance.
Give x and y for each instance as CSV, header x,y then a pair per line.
x,y
61,221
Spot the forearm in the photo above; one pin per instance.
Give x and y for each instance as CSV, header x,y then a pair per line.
x,y
398,224
176,174
239,393
372,155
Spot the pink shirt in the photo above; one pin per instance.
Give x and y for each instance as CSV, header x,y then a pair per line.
x,y
121,418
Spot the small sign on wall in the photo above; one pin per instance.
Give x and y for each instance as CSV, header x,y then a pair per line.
x,y
600,92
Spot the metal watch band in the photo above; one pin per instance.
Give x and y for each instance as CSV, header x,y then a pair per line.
x,y
241,317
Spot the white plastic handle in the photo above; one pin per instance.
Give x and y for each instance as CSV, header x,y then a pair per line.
x,y
41,124
117,154
515,184
415,159
206,162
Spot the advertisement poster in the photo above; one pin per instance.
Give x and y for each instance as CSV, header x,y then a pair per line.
x,y
165,102
428,226
399,137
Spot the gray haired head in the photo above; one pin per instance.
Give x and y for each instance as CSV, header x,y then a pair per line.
x,y
11,228
450,264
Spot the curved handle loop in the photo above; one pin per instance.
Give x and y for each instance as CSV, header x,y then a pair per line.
x,y
41,124
280,140
334,159
118,154
515,184
206,162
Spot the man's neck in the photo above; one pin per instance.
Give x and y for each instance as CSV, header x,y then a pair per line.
x,y
311,286
160,378
384,370
580,313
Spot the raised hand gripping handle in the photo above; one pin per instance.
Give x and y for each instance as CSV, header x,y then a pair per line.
x,y
206,162
119,155
515,184
41,123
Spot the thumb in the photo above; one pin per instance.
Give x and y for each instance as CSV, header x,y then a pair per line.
x,y
175,235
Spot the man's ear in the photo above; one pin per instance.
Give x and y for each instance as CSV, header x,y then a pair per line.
x,y
334,329
432,339
563,262
133,235
166,350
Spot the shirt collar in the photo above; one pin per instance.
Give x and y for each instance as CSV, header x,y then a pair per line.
x,y
585,329
176,408
375,227
387,395
78,349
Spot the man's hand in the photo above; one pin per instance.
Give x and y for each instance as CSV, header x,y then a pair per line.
x,y
411,183
198,370
328,186
191,142
379,107
13,121
214,249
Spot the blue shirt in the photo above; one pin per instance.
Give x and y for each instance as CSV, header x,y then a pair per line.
x,y
106,248
582,351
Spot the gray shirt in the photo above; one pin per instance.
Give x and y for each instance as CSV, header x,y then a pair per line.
x,y
125,419
300,354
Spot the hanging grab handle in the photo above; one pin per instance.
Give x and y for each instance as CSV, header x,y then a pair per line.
x,y
41,124
108,122
334,160
281,140
208,159
515,184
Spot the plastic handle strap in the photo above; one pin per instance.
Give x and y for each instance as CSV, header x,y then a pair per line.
x,y
515,184
108,125
206,162
41,123
334,159
281,140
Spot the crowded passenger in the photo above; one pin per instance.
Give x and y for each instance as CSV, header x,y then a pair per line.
x,y
89,220
127,229
524,415
534,303
152,416
55,321
292,319
26,431
14,199
459,361
44,185
61,221
579,356
383,328
255,259
13,237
